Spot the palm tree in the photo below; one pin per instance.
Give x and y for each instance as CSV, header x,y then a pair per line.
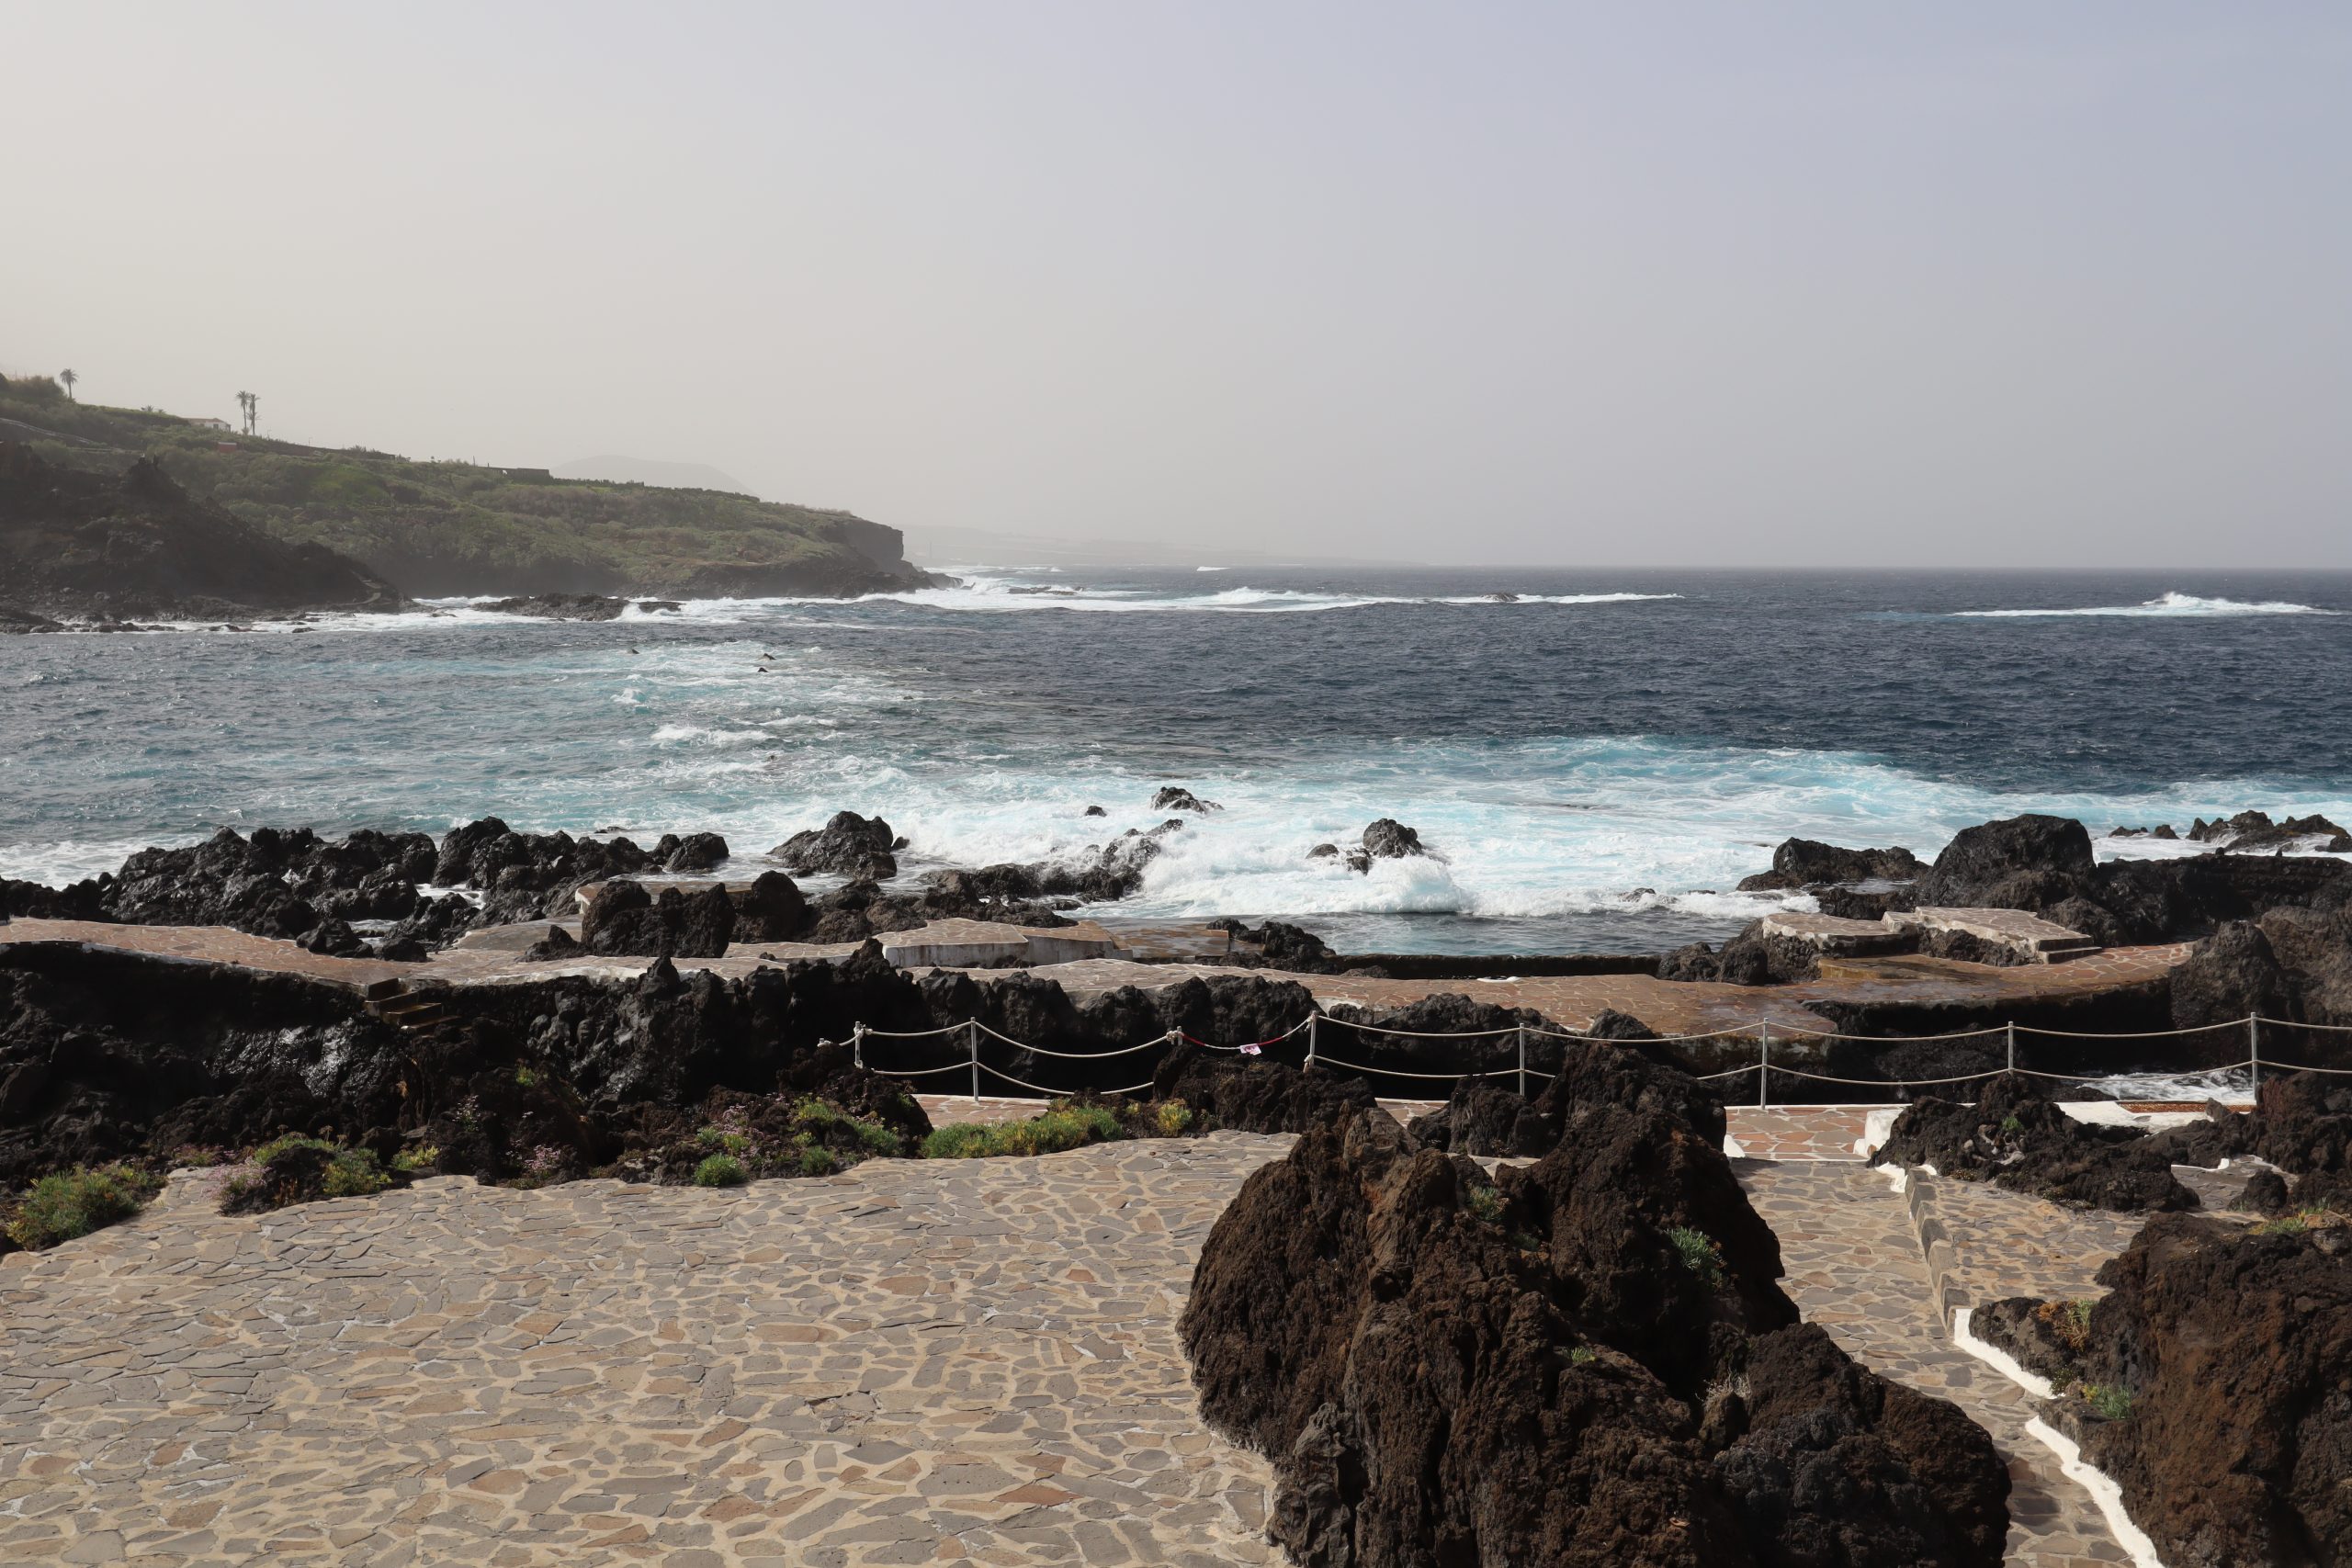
x,y
68,378
250,405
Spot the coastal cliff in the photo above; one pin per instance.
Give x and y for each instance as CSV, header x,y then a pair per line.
x,y
89,545
447,528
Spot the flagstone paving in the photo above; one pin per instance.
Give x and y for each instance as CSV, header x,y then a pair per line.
x,y
914,1361
1854,1267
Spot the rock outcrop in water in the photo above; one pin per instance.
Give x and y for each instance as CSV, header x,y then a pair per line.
x,y
574,606
1808,864
849,845
76,544
1586,1360
1174,798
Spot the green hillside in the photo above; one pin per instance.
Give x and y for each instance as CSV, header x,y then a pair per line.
x,y
445,528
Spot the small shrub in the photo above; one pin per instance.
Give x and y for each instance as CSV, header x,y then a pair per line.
x,y
75,1202
817,1160
2109,1401
1583,1356
964,1140
1700,1254
724,1140
2296,1223
524,1078
2011,1125
353,1173
720,1170
1484,1204
196,1157
1171,1117
415,1161
1063,1126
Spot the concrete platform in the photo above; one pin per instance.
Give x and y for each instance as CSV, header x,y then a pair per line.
x,y
1833,933
2028,936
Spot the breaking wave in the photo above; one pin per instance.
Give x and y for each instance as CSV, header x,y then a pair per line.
x,y
2165,605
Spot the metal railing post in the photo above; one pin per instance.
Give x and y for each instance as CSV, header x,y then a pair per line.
x,y
1310,1040
2254,1050
857,1046
1521,1031
972,1032
1763,1066
2012,1030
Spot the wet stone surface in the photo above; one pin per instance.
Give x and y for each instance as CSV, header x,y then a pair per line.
x,y
913,1363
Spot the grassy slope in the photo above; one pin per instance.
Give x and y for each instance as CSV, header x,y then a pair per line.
x,y
438,528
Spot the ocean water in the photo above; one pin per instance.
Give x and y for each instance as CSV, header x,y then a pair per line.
x,y
1596,761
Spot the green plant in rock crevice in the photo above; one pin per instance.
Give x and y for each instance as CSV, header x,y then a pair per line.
x,y
1699,1254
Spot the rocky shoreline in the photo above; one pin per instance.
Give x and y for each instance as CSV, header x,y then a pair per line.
x,y
1584,1356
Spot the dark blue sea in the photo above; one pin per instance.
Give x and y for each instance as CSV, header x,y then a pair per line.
x,y
1595,762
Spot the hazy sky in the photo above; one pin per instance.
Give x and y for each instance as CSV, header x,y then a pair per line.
x,y
2000,284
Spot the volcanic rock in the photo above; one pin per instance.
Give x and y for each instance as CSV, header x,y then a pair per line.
x,y
2230,1353
1171,799
1281,945
2230,974
694,852
1447,1368
1256,1094
848,844
1803,863
2019,862
573,606
81,901
2015,1138
1752,958
1483,1116
625,918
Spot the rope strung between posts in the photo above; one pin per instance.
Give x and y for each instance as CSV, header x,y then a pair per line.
x,y
973,1028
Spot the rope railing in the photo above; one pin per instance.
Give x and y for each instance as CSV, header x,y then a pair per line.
x,y
973,1031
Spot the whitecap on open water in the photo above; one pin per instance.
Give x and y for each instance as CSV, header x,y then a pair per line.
x,y
1597,758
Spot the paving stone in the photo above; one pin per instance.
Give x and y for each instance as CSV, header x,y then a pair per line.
x,y
594,1373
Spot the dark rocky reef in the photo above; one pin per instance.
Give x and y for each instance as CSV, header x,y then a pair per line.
x,y
76,544
1278,944
2254,831
573,606
1808,864
625,917
107,1056
1172,799
2293,964
1386,838
1586,1361
2045,864
2015,1137
1751,958
848,844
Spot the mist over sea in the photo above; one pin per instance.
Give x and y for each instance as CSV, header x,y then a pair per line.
x,y
1597,762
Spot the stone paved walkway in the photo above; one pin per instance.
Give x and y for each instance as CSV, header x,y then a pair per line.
x,y
912,1362
1854,1268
